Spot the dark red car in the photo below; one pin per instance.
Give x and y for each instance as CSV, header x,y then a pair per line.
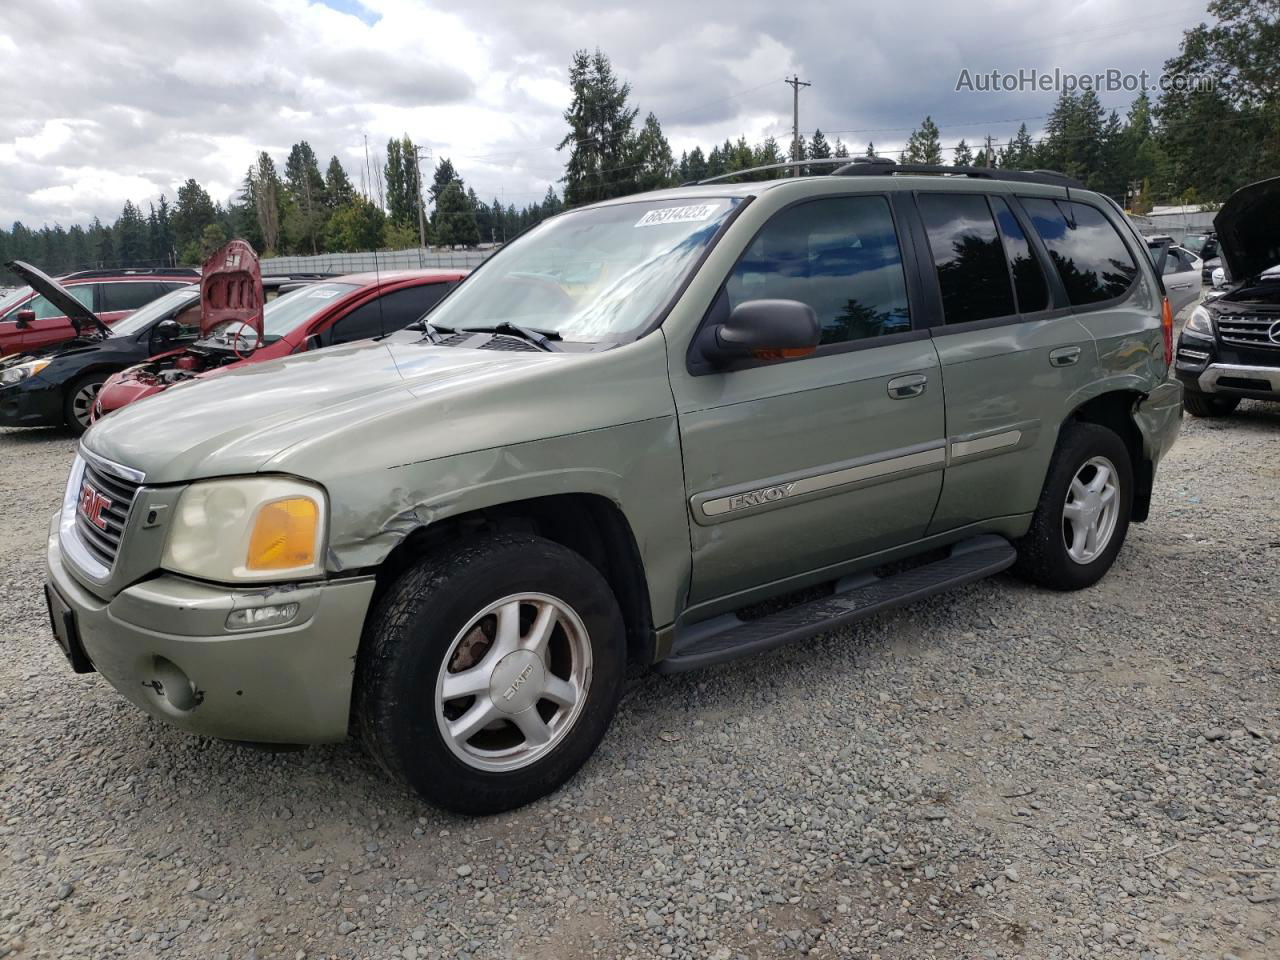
x,y
236,329
29,319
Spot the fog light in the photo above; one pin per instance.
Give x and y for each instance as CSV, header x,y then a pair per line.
x,y
272,615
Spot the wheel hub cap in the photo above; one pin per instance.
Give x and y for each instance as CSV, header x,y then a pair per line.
x,y
518,682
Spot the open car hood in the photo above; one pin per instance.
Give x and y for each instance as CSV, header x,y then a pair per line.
x,y
1248,227
81,317
231,289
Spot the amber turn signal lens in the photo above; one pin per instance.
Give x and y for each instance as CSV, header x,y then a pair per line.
x,y
284,535
1166,325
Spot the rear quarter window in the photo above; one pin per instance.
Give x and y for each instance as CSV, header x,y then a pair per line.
x,y
1092,260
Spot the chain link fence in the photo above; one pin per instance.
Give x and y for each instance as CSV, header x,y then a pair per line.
x,y
413,259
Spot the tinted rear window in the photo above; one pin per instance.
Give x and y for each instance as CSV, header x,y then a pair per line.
x,y
1092,260
967,253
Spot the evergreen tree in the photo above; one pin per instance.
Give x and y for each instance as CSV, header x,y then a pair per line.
x,y
871,150
453,222
841,151
651,161
130,236
697,165
445,174
192,213
338,191
599,132
304,186
963,155
924,145
268,199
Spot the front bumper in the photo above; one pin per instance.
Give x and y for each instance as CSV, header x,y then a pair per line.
x,y
163,644
1209,367
1239,380
30,403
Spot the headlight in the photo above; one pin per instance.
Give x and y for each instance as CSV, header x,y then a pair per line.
x,y
22,371
248,528
1199,323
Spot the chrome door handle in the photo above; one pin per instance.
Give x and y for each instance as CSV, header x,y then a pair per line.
x,y
1064,356
901,388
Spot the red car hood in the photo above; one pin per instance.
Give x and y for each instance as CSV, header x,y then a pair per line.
x,y
231,289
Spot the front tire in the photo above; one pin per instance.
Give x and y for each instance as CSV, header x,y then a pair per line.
x,y
489,672
1083,515
1204,405
77,405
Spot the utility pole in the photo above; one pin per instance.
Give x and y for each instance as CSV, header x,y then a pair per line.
x,y
989,156
796,83
422,216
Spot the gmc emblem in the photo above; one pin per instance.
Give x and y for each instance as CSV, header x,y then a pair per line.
x,y
92,503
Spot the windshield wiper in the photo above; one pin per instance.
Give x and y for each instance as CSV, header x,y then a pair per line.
x,y
430,331
541,340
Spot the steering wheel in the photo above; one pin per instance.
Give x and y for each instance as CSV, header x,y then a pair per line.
x,y
234,338
545,284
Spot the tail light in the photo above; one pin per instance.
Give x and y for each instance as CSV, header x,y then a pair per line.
x,y
1166,324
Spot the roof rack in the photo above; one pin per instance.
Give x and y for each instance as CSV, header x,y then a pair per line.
x,y
883,167
133,272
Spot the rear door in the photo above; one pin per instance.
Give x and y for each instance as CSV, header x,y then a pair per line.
x,y
1012,354
795,467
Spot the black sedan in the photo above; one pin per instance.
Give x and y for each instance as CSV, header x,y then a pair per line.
x,y
56,385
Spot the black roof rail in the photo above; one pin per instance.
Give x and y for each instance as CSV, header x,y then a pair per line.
x,y
105,272
787,165
867,167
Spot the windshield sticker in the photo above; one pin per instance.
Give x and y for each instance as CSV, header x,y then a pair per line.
x,y
322,294
693,213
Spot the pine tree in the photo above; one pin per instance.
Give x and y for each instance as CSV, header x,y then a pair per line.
x,y
453,222
871,150
599,133
924,145
651,161
819,149
268,197
963,155
191,214
338,191
841,151
445,174
304,185
697,165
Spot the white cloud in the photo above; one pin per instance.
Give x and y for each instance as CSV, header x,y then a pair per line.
x,y
112,100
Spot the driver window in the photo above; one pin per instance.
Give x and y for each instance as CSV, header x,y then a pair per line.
x,y
839,255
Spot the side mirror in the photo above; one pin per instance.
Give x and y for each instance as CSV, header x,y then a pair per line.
x,y
763,330
163,335
1219,278
24,318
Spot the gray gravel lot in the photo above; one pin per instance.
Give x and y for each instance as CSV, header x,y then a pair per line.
x,y
1000,772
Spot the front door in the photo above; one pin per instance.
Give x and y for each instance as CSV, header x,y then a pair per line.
x,y
797,466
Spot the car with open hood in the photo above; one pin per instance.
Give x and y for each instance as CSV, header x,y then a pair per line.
x,y
35,316
332,311
1229,348
57,385
668,429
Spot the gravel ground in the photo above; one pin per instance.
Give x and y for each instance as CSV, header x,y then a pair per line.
x,y
1000,772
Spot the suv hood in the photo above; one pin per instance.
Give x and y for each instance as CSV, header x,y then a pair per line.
x,y
1248,227
81,317
231,289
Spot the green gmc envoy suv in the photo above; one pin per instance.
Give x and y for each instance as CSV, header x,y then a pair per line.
x,y
607,447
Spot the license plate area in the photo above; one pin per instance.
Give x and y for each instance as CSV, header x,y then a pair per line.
x,y
63,621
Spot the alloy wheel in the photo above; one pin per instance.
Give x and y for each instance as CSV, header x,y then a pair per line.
x,y
82,403
1091,509
513,682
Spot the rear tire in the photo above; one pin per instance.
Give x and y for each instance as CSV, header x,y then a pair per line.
x,y
1204,405
489,672
1077,530
77,404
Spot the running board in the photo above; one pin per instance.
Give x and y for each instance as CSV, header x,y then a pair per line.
x,y
729,637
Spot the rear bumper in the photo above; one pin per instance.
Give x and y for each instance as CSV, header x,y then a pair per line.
x,y
1159,419
163,644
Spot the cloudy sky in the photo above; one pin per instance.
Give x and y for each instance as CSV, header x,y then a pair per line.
x,y
109,101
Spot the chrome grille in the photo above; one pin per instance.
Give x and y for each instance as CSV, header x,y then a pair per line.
x,y
1247,331
103,542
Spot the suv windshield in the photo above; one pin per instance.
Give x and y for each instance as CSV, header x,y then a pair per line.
x,y
141,318
285,314
591,275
